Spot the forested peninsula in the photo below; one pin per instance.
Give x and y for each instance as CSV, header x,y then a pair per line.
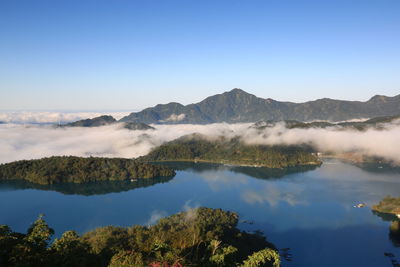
x,y
197,237
388,205
69,169
199,148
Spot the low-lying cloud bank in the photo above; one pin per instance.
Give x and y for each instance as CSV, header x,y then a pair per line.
x,y
52,117
29,141
372,142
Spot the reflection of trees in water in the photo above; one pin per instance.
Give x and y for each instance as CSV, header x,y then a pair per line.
x,y
382,168
394,233
106,187
87,189
394,229
255,172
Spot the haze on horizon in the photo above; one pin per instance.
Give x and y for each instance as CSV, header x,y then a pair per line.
x,y
129,55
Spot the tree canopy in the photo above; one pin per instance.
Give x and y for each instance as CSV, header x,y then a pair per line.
x,y
197,237
232,151
69,169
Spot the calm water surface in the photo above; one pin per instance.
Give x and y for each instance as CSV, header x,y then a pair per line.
x,y
309,211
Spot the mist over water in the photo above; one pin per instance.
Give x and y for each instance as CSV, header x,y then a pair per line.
x,y
29,141
372,142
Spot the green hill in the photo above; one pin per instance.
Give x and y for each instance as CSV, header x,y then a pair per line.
x,y
68,169
388,205
231,151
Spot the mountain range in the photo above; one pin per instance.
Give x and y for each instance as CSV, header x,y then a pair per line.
x,y
107,120
239,106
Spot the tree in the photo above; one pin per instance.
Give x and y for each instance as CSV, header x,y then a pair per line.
x,y
39,233
70,250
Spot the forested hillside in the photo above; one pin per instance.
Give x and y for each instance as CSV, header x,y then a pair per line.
x,y
232,151
69,169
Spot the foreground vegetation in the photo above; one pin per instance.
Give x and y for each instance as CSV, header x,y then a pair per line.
x,y
388,205
231,151
198,237
68,169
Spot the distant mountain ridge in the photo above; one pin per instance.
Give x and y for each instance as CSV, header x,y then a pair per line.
x,y
239,106
107,120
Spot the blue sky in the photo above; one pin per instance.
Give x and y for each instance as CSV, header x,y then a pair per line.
x,y
94,55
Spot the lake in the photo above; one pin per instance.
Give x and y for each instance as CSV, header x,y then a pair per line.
x,y
309,211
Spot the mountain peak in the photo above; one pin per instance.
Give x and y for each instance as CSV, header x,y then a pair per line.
x,y
378,98
236,106
237,91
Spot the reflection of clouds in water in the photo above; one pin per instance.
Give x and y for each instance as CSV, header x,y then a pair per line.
x,y
273,194
351,183
219,180
321,198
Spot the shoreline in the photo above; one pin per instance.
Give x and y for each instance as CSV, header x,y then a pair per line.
x,y
230,164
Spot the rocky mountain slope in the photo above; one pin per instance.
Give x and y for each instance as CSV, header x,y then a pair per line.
x,y
239,106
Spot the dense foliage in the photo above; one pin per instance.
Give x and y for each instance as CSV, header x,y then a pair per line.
x,y
232,151
197,237
388,205
68,169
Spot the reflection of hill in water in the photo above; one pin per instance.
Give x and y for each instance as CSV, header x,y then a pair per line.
x,y
381,168
255,172
86,189
394,233
394,229
387,217
106,187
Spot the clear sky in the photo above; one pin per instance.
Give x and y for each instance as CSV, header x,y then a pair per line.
x,y
121,54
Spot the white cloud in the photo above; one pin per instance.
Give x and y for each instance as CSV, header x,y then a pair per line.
x,y
31,141
174,118
19,141
372,142
191,211
52,117
155,216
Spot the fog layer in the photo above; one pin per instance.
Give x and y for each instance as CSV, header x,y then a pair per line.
x,y
29,141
